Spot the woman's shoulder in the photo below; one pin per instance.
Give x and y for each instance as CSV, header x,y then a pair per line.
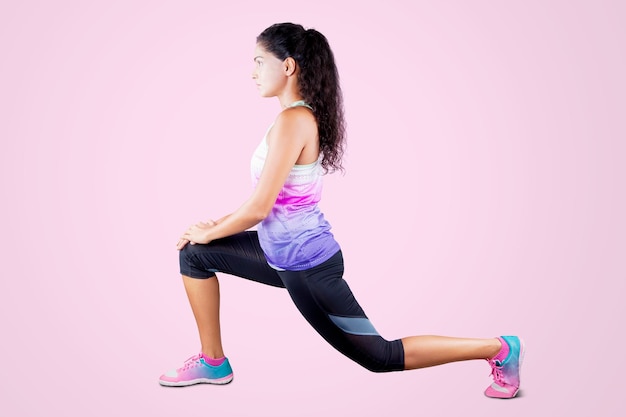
x,y
294,121
296,114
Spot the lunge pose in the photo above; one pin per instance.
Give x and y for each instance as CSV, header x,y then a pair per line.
x,y
293,246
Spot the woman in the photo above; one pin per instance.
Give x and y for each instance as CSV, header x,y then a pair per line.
x,y
293,247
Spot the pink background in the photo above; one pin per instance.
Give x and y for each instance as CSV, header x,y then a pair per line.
x,y
484,195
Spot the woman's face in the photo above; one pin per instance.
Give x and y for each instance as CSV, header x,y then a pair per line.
x,y
269,73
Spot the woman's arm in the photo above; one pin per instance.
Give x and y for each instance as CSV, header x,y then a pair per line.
x,y
293,129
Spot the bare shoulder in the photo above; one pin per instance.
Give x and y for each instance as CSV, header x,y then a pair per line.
x,y
294,123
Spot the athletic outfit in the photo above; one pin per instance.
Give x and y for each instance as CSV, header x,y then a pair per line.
x,y
293,249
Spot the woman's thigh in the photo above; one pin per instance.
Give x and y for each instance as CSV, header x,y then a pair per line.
x,y
327,303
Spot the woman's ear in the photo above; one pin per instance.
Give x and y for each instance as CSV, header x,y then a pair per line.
x,y
289,66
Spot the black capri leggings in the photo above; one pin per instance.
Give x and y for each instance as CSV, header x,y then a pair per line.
x,y
320,293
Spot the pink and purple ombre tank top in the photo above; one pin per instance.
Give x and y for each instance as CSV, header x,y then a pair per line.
x,y
295,235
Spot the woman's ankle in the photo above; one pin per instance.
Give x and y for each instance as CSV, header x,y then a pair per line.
x,y
213,360
213,353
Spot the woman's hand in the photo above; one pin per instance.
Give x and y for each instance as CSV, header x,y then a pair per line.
x,y
197,233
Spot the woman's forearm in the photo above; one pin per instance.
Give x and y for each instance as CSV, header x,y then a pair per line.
x,y
242,219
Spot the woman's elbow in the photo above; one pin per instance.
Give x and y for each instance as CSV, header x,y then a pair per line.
x,y
258,214
261,215
258,210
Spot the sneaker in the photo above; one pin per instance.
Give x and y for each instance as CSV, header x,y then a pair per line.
x,y
505,368
196,370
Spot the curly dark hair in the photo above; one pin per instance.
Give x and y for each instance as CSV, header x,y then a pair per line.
x,y
318,81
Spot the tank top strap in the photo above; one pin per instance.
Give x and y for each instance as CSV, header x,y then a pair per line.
x,y
299,103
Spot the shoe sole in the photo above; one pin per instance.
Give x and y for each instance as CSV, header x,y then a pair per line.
x,y
220,381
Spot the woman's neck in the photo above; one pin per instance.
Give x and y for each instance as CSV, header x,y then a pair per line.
x,y
288,99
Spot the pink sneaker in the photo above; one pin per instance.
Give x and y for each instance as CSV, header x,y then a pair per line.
x,y
505,368
196,370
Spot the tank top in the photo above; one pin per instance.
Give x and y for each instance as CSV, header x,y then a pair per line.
x,y
295,235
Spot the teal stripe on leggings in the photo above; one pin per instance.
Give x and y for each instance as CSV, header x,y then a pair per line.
x,y
360,326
